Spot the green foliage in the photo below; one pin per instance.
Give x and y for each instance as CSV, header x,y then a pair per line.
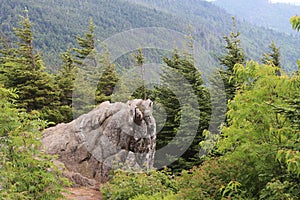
x,y
57,22
211,180
156,196
178,77
279,190
65,80
234,54
86,59
140,59
259,148
23,70
129,185
258,154
272,58
86,44
26,171
108,80
86,77
257,133
232,190
295,21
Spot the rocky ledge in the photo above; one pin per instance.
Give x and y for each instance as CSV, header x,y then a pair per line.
x,y
113,135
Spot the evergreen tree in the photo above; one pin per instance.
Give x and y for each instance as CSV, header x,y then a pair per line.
x,y
295,21
235,55
140,59
108,79
127,86
87,61
66,77
273,57
23,69
5,49
65,80
171,94
86,43
222,80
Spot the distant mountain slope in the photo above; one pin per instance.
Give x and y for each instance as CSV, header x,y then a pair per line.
x,y
262,13
56,22
211,22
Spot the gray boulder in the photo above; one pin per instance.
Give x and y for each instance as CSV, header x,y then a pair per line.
x,y
113,135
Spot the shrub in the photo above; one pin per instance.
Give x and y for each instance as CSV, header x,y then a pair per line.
x,y
127,185
156,196
202,182
26,172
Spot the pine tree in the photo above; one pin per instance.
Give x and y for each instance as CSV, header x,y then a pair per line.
x,y
273,57
86,43
23,69
87,57
140,59
235,55
66,77
173,92
87,61
65,80
108,79
5,49
129,81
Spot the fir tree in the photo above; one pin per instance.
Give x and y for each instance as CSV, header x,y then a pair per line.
x,y
140,59
87,61
108,79
273,57
5,49
23,69
171,94
86,43
66,77
235,55
65,80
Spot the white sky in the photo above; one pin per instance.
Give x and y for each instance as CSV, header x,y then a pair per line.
x,y
297,2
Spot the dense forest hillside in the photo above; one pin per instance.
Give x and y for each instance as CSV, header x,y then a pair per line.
x,y
211,22
56,23
262,13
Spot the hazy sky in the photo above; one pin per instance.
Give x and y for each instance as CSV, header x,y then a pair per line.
x,y
297,2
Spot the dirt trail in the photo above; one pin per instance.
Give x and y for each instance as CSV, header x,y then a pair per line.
x,y
83,194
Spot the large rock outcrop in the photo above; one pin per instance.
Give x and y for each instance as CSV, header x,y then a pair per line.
x,y
113,135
